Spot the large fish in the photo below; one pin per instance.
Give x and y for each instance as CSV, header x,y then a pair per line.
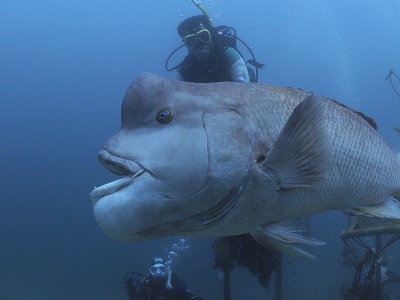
x,y
223,159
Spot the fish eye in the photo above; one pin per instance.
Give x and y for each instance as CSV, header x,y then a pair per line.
x,y
164,115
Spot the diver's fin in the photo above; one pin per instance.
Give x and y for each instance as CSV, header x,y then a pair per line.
x,y
389,209
301,155
281,236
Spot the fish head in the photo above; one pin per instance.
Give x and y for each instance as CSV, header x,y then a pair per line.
x,y
180,152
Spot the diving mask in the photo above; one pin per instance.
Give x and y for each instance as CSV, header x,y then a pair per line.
x,y
202,35
158,270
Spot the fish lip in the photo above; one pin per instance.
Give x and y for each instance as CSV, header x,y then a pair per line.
x,y
118,166
113,186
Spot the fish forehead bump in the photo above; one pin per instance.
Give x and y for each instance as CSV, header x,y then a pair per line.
x,y
149,93
147,84
148,89
140,95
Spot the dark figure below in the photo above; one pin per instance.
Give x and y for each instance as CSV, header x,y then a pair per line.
x,y
160,284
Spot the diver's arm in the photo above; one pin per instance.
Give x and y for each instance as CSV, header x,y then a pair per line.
x,y
131,288
237,66
182,290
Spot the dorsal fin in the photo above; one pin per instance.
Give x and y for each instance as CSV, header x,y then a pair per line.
x,y
366,118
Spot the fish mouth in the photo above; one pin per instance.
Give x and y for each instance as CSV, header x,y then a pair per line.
x,y
118,166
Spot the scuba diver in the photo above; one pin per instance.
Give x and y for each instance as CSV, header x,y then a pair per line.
x,y
212,53
160,284
208,59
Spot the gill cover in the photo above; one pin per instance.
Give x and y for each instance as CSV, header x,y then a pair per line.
x,y
227,127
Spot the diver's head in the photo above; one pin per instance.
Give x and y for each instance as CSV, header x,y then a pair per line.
x,y
196,34
158,269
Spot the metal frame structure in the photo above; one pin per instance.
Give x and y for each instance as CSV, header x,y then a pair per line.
x,y
358,231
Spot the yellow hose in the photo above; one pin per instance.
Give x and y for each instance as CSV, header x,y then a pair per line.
x,y
197,3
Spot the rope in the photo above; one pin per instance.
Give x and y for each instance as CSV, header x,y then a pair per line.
x,y
391,72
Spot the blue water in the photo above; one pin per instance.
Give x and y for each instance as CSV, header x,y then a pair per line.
x,y
64,67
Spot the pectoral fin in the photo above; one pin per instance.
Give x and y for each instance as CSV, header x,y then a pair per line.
x,y
281,236
301,155
389,209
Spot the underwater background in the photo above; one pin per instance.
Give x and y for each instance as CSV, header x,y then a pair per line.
x,y
64,68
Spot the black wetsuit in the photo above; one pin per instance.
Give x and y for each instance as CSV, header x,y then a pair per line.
x,y
221,65
152,289
213,69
